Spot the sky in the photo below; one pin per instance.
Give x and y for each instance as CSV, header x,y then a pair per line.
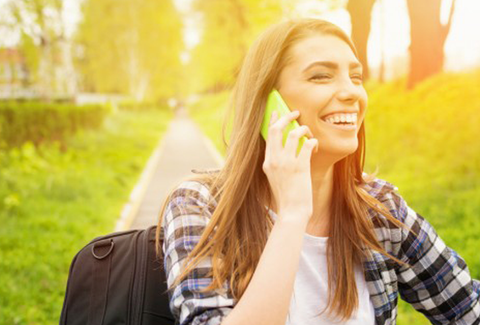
x,y
389,33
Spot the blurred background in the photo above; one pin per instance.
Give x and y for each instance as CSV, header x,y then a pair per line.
x,y
89,88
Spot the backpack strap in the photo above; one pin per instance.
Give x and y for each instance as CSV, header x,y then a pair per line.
x,y
101,277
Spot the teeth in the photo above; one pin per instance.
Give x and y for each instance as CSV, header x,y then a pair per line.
x,y
349,118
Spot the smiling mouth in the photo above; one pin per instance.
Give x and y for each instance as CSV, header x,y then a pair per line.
x,y
341,119
342,125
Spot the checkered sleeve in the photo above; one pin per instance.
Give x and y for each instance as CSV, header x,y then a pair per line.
x,y
438,283
184,223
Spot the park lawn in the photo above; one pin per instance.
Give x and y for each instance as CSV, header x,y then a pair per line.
x,y
209,114
427,143
52,203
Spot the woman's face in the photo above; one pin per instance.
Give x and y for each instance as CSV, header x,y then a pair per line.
x,y
322,78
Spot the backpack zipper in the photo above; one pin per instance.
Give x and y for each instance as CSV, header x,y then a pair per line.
x,y
131,295
142,264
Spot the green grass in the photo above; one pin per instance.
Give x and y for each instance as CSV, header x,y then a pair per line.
x,y
426,142
52,203
209,115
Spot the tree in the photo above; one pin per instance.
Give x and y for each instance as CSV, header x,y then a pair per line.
x,y
42,24
428,37
360,15
229,26
131,47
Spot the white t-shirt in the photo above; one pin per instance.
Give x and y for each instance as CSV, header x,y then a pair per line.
x,y
310,292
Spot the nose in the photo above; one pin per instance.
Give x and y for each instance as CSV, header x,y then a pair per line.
x,y
348,91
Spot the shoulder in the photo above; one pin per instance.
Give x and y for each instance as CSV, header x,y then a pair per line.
x,y
388,194
188,209
376,186
191,194
191,189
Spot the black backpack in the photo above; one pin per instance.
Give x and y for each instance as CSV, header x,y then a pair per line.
x,y
118,279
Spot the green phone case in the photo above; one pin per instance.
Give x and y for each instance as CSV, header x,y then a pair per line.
x,y
275,102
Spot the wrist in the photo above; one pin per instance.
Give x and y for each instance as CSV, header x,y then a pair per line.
x,y
293,217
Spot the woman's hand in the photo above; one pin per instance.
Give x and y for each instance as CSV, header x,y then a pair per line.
x,y
289,176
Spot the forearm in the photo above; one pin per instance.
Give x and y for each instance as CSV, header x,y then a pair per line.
x,y
267,297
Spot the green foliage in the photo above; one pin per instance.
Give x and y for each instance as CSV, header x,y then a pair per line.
x,y
133,105
426,142
40,122
131,48
228,29
53,202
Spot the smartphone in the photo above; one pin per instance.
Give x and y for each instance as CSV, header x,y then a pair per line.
x,y
276,102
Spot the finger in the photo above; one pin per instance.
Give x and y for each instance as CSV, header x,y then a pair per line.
x,y
310,134
307,149
275,131
284,120
293,138
273,118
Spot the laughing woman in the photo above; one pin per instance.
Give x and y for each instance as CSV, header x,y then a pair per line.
x,y
277,238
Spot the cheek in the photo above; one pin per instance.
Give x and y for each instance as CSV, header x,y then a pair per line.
x,y
309,119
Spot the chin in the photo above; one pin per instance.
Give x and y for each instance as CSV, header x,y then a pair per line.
x,y
341,151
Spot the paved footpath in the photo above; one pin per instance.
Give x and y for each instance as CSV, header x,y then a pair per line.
x,y
183,148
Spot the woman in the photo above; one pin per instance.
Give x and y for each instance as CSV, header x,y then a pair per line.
x,y
274,238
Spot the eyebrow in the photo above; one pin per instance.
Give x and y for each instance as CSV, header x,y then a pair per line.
x,y
332,65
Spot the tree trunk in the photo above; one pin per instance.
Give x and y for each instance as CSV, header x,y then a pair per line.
x,y
428,37
68,69
360,15
45,71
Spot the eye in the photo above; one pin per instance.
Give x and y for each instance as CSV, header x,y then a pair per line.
x,y
358,77
320,77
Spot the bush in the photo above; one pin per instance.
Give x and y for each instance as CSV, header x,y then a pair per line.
x,y
36,122
133,105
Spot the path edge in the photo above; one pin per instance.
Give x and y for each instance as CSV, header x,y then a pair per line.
x,y
130,209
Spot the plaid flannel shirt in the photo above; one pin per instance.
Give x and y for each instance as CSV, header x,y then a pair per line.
x,y
438,283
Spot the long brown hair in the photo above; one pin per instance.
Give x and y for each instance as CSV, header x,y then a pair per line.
x,y
240,220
